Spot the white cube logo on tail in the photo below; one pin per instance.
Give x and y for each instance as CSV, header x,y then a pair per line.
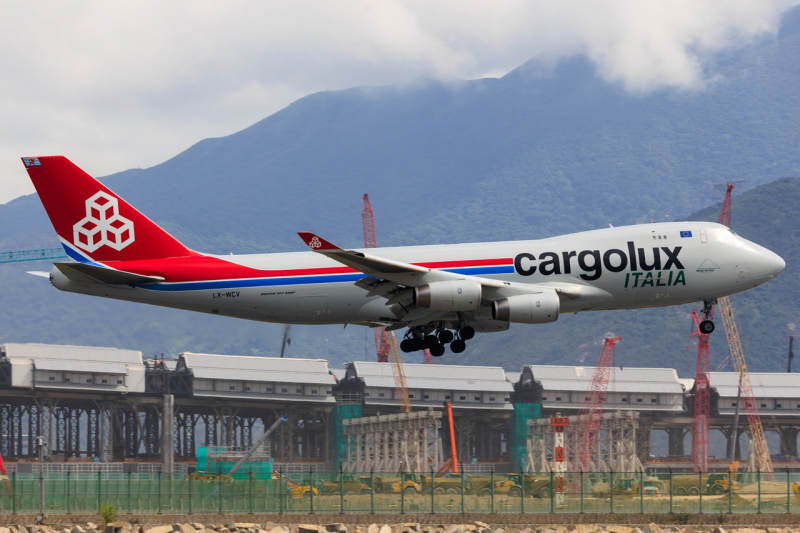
x,y
315,243
103,225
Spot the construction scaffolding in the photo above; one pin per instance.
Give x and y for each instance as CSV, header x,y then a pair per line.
x,y
406,442
615,448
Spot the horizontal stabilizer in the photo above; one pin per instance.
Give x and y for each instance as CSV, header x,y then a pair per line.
x,y
108,276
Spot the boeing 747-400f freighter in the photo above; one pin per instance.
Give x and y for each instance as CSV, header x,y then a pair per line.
x,y
442,294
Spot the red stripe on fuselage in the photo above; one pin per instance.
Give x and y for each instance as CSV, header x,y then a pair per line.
x,y
467,263
205,268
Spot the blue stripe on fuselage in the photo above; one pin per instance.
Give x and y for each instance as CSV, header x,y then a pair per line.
x,y
306,280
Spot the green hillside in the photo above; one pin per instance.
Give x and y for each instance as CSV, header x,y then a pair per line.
x,y
536,153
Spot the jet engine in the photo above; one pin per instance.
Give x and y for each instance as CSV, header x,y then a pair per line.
x,y
527,308
460,295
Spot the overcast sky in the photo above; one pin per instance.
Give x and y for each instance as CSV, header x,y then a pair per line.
x,y
118,85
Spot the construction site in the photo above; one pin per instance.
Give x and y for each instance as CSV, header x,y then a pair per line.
x,y
82,426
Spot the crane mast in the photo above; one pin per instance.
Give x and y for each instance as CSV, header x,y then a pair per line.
x,y
371,241
702,399
590,414
399,375
760,448
746,394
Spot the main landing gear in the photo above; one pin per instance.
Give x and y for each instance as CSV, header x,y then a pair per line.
x,y
435,341
707,326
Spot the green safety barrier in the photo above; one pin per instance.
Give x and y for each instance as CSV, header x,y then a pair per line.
x,y
339,414
519,431
258,492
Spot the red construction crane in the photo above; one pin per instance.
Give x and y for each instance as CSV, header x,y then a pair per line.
x,y
725,212
702,399
371,241
589,417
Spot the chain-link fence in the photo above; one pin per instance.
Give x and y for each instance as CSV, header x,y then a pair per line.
x,y
254,492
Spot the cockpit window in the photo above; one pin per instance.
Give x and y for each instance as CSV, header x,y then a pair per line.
x,y
733,231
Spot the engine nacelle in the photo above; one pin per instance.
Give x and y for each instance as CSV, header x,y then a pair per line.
x,y
527,308
460,295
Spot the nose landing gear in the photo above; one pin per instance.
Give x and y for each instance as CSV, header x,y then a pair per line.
x,y
707,326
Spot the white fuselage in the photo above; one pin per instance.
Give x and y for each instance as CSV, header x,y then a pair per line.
x,y
309,288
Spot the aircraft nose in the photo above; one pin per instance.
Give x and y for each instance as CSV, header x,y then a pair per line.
x,y
764,264
780,264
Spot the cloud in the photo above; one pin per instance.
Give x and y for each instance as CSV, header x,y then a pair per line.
x,y
124,84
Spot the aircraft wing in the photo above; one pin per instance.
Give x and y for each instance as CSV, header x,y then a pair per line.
x,y
394,280
378,267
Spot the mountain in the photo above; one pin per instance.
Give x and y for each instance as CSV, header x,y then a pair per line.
x,y
535,153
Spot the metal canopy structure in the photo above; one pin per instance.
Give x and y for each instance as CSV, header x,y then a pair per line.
x,y
405,442
615,448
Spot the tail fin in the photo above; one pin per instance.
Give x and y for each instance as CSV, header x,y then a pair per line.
x,y
93,223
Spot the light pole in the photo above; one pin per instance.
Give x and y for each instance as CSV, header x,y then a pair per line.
x,y
41,442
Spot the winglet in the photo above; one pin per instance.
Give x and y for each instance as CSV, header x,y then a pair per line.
x,y
317,243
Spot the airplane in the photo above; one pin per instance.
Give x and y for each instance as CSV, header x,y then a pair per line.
x,y
442,294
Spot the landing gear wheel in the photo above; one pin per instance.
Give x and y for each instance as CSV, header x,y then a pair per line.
x,y
446,336
406,345
458,346
429,342
707,327
438,350
415,344
467,332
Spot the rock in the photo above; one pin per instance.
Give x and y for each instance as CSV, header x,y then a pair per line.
x,y
384,529
651,528
337,527
186,528
619,529
91,525
278,529
246,525
409,526
719,530
311,528
159,529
